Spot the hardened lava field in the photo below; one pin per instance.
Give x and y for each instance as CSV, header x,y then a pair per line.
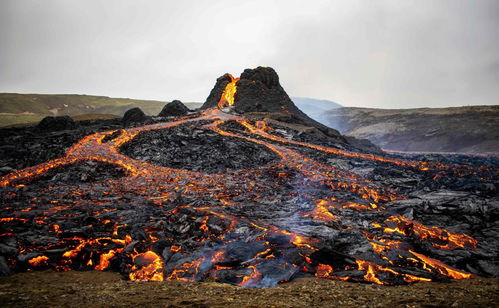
x,y
197,149
248,191
298,209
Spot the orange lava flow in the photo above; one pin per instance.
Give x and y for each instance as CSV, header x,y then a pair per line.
x,y
450,240
255,275
37,261
419,165
159,186
336,178
321,212
150,268
323,271
227,98
104,259
93,148
190,268
432,264
373,270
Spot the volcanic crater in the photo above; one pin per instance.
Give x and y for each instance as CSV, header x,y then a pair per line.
x,y
251,196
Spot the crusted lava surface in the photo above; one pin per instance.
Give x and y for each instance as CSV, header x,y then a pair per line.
x,y
217,196
295,209
192,148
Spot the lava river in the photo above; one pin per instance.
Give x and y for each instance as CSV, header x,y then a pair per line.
x,y
251,227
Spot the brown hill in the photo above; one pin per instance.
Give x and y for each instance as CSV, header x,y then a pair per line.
x,y
471,129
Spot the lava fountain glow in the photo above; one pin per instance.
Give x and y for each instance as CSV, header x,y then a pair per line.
x,y
227,98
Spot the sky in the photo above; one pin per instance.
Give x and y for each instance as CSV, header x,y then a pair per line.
x,y
384,53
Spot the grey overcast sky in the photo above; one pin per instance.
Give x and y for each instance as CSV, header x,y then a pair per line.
x,y
388,54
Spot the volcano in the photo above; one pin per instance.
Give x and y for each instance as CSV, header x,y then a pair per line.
x,y
259,93
247,191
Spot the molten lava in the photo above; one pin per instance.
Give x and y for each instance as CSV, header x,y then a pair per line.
x,y
217,223
227,98
147,266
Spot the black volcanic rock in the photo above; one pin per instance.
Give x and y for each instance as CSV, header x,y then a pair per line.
x,y
21,147
266,75
362,144
250,208
134,115
174,109
56,123
197,150
78,173
259,90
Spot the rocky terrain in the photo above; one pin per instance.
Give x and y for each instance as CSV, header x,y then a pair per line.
x,y
107,289
472,129
248,191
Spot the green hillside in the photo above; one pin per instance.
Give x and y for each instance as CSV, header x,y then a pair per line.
x,y
31,108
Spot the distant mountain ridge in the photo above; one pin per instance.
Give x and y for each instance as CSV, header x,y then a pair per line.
x,y
470,129
322,104
315,108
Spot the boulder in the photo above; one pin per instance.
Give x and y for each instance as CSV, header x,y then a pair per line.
x,y
134,115
174,109
56,123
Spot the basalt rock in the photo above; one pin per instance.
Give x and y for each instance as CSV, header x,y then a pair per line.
x,y
174,109
21,147
134,115
56,123
197,145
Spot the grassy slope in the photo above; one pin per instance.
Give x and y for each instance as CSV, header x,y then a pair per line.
x,y
31,108
15,119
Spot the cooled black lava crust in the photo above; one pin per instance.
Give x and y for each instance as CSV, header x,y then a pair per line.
x,y
79,173
191,148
